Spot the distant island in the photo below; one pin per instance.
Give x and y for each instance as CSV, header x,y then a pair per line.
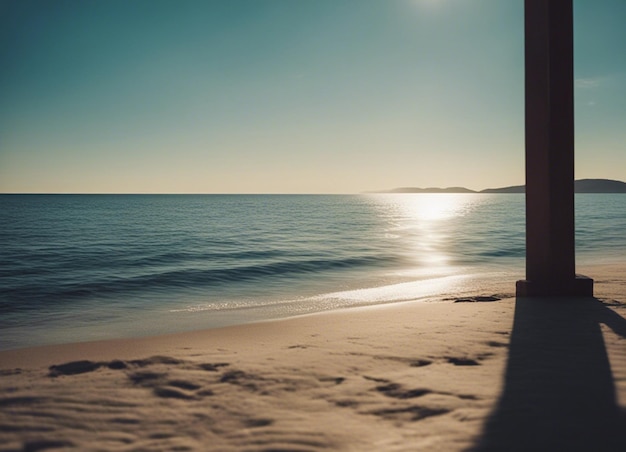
x,y
580,186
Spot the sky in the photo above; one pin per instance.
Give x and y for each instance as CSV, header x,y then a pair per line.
x,y
288,96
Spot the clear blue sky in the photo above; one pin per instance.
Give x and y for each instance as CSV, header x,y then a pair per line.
x,y
287,96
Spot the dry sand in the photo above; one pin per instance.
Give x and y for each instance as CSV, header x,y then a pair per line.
x,y
546,374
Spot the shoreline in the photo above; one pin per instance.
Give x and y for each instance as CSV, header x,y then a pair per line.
x,y
196,317
465,285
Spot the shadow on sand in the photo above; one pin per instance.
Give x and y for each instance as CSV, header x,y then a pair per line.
x,y
558,393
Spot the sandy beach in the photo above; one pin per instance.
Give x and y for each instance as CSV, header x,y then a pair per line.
x,y
481,374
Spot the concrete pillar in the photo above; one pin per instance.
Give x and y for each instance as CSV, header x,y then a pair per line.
x,y
549,62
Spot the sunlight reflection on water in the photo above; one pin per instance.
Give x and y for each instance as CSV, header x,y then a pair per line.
x,y
423,225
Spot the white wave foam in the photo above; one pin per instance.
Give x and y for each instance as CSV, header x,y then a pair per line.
x,y
396,292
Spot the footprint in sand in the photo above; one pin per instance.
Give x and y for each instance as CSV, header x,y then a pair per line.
x,y
74,368
157,381
420,363
410,413
396,391
463,361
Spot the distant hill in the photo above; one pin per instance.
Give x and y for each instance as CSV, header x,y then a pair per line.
x,y
599,186
580,186
511,189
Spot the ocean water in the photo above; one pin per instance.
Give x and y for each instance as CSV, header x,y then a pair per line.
x,y
86,267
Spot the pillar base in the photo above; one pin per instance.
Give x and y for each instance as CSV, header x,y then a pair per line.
x,y
580,286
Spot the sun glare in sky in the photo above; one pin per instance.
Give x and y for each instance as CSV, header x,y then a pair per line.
x,y
277,96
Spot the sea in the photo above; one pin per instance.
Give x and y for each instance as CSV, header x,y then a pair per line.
x,y
89,267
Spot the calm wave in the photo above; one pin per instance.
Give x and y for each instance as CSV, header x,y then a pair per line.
x,y
80,267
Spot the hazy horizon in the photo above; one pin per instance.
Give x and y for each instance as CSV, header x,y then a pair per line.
x,y
275,96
